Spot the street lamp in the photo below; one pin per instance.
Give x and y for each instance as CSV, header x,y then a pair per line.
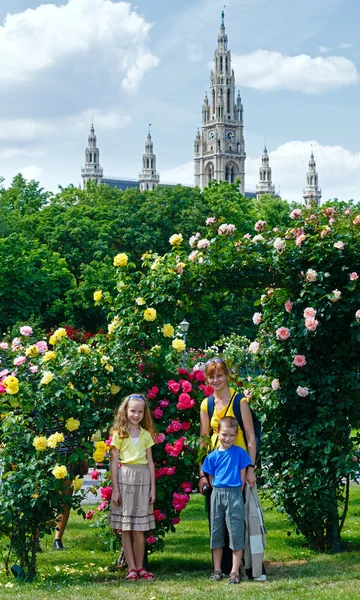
x,y
184,325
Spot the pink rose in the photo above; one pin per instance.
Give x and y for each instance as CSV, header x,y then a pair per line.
x,y
186,426
336,296
199,375
275,384
176,520
299,360
26,330
106,492
187,487
102,505
34,369
254,347
339,245
175,426
356,221
257,318
311,275
300,239
354,276
19,360
4,372
108,442
185,402
4,345
159,438
311,324
302,391
210,220
296,214
260,225
186,386
170,470
288,306
183,371
41,346
174,386
150,540
89,515
309,313
283,333
95,475
357,314
153,392
158,515
164,403
208,390
157,413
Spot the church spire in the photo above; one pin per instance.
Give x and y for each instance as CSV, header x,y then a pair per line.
x,y
92,170
149,178
265,185
312,192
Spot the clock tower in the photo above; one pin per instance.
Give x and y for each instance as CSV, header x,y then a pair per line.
x,y
219,150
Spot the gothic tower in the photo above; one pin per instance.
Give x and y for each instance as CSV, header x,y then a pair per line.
x,y
149,178
312,192
219,151
265,185
92,170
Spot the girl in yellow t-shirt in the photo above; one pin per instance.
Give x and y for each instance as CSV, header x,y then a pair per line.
x,y
133,482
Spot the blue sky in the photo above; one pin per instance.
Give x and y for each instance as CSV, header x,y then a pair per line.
x,y
296,64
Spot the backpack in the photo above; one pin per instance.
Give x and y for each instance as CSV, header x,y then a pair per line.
x,y
237,412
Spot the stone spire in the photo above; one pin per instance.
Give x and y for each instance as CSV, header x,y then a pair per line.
x,y
92,170
312,192
265,185
221,153
149,178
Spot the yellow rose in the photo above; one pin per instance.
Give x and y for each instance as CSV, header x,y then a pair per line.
x,y
72,424
176,239
11,384
71,385
46,378
59,333
84,349
77,483
121,260
35,496
140,301
54,439
94,380
32,350
178,345
150,314
39,443
101,446
109,368
98,295
49,355
98,456
111,327
167,330
59,471
115,389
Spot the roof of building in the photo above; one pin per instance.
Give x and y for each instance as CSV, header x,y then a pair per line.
x,y
126,183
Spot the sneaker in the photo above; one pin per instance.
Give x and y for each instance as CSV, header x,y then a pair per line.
x,y
58,545
261,578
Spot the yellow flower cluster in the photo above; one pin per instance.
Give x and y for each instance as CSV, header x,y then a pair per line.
x,y
46,378
72,424
77,483
115,389
40,443
140,301
98,295
49,355
100,449
55,439
121,260
59,333
32,350
176,239
84,349
167,330
178,345
109,368
111,327
11,384
60,471
150,314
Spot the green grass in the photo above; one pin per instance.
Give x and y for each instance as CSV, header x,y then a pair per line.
x,y
80,572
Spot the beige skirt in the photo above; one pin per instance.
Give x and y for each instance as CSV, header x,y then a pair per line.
x,y
134,513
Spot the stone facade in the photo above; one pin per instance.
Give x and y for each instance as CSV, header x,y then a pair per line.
x,y
149,178
312,192
92,170
265,185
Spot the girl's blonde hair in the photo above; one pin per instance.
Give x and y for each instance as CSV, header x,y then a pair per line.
x,y
121,423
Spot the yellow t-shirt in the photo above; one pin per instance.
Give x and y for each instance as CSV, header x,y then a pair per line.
x,y
214,423
130,453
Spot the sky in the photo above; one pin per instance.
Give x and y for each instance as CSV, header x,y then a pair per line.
x,y
297,65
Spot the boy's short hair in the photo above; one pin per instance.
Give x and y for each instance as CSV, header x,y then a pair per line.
x,y
228,422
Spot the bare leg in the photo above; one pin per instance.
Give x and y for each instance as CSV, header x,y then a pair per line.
x,y
236,561
217,556
127,544
64,517
139,548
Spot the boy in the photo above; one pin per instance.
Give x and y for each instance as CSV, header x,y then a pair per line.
x,y
226,468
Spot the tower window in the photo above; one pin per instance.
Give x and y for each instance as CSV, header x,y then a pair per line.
x,y
90,156
221,63
94,156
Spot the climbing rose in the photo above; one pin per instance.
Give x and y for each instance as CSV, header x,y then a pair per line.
x,y
275,384
72,424
208,390
296,214
97,296
176,239
210,220
339,245
299,360
254,347
354,276
336,296
89,515
167,330
178,345
279,244
59,472
357,314
302,391
204,243
19,360
186,386
26,330
106,492
157,413
46,378
283,333
150,540
159,438
288,306
311,275
309,313
260,225
311,324
174,386
121,260
95,475
257,318
150,314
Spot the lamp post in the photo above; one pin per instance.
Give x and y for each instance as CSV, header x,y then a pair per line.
x,y
184,325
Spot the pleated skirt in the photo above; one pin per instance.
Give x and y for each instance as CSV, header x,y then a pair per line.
x,y
134,513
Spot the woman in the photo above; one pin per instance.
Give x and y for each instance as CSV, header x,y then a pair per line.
x,y
217,376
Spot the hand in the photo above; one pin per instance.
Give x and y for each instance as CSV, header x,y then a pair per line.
x,y
152,497
251,477
203,481
115,497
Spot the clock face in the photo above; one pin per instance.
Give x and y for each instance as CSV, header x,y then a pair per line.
x,y
211,135
230,135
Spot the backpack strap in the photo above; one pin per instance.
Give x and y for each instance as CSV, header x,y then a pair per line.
x,y
211,406
237,410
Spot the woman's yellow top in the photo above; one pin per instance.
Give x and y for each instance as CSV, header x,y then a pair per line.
x,y
217,415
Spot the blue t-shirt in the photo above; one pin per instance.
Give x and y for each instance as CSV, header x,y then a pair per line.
x,y
225,466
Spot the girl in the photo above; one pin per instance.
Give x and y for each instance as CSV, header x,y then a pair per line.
x,y
133,483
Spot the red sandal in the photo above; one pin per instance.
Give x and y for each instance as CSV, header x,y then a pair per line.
x,y
144,574
131,575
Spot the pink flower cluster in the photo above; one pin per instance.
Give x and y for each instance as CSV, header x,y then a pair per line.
x,y
208,390
164,471
89,515
185,402
95,475
177,426
260,225
283,333
187,487
176,448
102,506
158,515
180,501
106,492
26,330
159,438
288,306
299,360
296,214
150,540
153,392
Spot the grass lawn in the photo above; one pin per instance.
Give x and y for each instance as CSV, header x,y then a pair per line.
x,y
80,572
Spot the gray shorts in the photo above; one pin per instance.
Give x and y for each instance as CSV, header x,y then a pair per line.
x,y
227,506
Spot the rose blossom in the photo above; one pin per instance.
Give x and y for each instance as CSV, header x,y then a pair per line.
x,y
159,438
257,318
300,239
296,214
170,470
288,306
157,413
4,345
311,275
356,221
186,426
106,492
153,392
19,360
89,515
260,225
174,386
339,245
357,314
275,384
185,402
283,333
302,391
337,295
231,228
158,515
309,313
210,220
193,240
354,276
150,540
254,347
187,487
247,236
299,360
102,505
186,386
311,324
176,520
204,243
258,238
34,369
41,346
192,256
199,375
279,244
26,330
4,372
95,475
223,229
164,403
208,390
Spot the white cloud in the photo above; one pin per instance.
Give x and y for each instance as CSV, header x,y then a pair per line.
x,y
14,153
195,52
24,129
31,172
345,45
270,71
324,49
182,174
41,39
